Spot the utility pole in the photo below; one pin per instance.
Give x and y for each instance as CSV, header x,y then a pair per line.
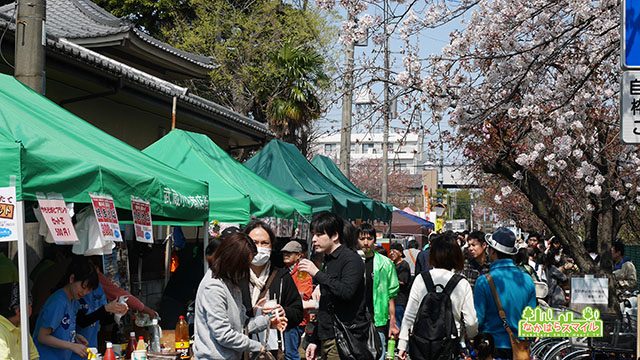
x,y
29,60
30,44
385,112
347,98
471,210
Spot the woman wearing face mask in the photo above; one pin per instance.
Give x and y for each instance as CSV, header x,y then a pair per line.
x,y
220,316
267,282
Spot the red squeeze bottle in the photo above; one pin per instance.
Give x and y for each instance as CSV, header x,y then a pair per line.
x,y
108,353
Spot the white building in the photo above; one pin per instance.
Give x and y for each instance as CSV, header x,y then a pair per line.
x,y
405,150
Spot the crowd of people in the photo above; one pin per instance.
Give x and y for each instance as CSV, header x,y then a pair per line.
x,y
455,294
486,279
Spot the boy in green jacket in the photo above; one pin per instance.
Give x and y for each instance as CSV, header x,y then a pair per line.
x,y
381,285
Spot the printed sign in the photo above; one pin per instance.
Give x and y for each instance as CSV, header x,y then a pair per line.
x,y
542,323
141,211
630,107
427,200
8,225
107,217
589,290
56,215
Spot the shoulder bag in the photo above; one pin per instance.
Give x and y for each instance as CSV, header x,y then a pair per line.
x,y
357,341
267,354
520,348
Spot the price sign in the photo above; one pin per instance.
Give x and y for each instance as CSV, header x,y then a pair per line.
x,y
141,211
107,217
8,225
56,215
589,290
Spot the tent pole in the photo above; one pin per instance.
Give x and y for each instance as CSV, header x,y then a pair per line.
x,y
205,242
23,283
167,255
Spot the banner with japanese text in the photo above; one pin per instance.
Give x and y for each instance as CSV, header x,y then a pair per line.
x,y
8,224
107,217
56,215
427,201
141,211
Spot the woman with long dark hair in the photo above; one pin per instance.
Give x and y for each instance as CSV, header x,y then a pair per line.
x,y
270,282
219,313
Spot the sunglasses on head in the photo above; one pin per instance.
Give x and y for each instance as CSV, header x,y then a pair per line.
x,y
230,230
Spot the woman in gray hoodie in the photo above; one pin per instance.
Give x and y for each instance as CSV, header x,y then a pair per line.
x,y
219,314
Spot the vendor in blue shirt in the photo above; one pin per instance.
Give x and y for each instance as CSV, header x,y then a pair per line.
x,y
55,331
93,310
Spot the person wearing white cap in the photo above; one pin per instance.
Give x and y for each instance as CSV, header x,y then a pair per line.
x,y
292,254
514,289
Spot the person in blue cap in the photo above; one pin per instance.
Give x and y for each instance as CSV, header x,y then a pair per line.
x,y
514,287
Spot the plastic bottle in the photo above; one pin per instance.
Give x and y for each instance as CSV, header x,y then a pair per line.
x,y
141,345
391,349
154,335
108,353
131,346
182,338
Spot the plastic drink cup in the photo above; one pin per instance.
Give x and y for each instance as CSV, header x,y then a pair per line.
x,y
139,355
269,304
302,275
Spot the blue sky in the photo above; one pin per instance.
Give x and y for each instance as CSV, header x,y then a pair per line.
x,y
431,41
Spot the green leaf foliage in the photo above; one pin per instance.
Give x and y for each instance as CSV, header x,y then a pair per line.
x,y
272,57
151,15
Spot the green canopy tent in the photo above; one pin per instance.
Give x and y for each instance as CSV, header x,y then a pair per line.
x,y
285,167
44,148
329,169
49,149
197,155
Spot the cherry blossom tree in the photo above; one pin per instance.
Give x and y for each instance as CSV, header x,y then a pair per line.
x,y
530,89
404,188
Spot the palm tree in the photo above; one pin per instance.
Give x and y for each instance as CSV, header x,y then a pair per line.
x,y
296,104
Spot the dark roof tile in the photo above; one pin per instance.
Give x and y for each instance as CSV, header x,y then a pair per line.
x,y
82,19
94,59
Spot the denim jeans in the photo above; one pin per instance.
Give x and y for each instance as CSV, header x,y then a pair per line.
x,y
292,342
383,340
399,315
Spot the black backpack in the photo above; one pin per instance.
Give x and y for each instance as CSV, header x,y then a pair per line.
x,y
434,335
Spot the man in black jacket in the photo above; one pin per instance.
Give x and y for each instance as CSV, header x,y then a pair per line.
x,y
341,285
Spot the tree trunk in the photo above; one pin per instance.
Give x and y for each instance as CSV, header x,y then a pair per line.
x,y
605,237
547,210
552,215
